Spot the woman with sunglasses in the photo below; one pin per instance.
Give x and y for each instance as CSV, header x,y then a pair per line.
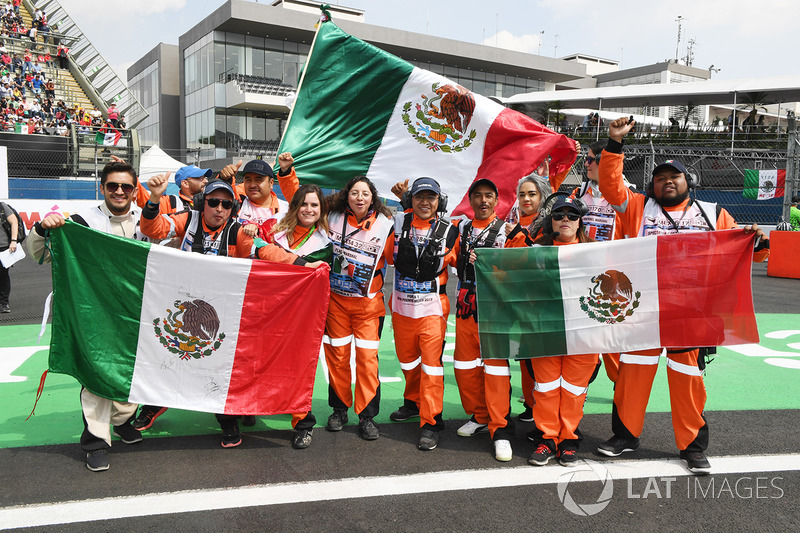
x,y
560,382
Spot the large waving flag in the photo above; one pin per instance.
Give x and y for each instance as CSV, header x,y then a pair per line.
x,y
360,110
670,291
149,324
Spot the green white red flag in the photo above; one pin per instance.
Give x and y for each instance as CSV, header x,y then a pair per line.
x,y
149,324
361,110
673,291
764,184
108,136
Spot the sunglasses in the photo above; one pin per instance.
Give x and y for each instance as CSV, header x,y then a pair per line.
x,y
111,186
214,202
590,159
560,216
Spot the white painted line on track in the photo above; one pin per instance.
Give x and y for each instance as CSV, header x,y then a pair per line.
x,y
366,487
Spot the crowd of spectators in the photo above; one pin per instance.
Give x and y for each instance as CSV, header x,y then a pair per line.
x,y
27,88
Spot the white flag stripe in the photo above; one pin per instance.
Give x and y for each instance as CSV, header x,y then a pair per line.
x,y
454,172
584,263
767,181
197,384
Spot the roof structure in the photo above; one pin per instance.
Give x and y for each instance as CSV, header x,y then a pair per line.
x,y
772,90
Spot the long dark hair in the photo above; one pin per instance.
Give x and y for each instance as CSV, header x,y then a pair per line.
x,y
339,204
289,221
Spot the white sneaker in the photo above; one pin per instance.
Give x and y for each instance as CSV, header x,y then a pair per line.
x,y
502,450
471,428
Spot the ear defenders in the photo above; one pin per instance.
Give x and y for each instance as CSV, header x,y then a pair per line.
x,y
405,201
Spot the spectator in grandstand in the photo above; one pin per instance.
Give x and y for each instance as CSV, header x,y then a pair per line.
x,y
50,89
61,128
16,6
113,115
37,84
16,63
63,57
27,64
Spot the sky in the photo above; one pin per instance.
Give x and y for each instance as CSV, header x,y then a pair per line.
x,y
744,39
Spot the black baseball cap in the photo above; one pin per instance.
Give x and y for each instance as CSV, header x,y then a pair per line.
x,y
671,163
258,166
483,181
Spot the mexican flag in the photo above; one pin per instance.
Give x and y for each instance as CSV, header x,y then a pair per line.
x,y
149,324
361,110
764,184
673,291
108,138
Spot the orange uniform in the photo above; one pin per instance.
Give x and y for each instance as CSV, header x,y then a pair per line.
x,y
641,215
559,394
483,384
419,317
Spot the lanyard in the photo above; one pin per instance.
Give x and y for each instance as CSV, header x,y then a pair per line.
x,y
344,229
671,221
302,240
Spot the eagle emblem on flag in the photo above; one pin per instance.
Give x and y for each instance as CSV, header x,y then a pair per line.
x,y
191,330
611,298
442,118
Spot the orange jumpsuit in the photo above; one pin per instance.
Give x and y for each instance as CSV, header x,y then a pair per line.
x,y
559,394
356,310
637,370
419,320
483,384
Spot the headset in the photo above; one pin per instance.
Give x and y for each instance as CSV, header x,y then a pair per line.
x,y
199,203
692,181
405,201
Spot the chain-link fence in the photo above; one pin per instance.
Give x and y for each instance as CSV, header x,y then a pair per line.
x,y
49,166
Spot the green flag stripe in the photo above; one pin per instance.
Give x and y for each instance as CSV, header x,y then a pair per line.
x,y
96,311
329,146
520,308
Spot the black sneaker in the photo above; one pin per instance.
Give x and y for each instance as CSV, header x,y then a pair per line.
x,y
368,429
230,434
127,433
404,413
542,455
147,416
617,445
567,457
337,420
526,415
302,439
7,309
248,420
428,439
97,460
697,462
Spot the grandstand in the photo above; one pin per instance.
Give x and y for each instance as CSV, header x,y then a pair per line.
x,y
67,105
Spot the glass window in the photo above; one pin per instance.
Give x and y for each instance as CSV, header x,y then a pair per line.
x,y
257,62
219,61
256,127
234,59
254,41
273,64
219,128
289,46
234,38
273,44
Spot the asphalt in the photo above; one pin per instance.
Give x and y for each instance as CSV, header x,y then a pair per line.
x,y
56,473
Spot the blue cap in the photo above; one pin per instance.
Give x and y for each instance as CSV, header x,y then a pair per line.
x,y
425,184
258,166
215,185
674,163
191,171
483,181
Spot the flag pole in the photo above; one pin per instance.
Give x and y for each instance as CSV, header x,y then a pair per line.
x,y
325,17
